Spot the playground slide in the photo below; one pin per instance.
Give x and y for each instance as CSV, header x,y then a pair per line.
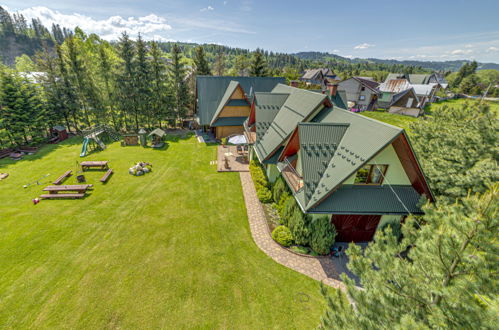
x,y
100,143
84,147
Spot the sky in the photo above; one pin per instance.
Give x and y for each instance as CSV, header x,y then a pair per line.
x,y
435,30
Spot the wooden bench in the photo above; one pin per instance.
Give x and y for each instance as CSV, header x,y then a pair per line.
x,y
106,176
51,196
62,177
5,153
79,188
99,164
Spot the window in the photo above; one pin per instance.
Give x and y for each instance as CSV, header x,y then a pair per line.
x,y
362,98
362,88
371,174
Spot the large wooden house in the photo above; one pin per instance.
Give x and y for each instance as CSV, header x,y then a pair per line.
x,y
223,103
359,171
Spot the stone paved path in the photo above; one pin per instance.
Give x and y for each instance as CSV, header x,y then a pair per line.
x,y
320,269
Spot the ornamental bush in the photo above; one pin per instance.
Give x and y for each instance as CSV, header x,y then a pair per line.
x,y
322,235
282,235
282,202
299,224
278,189
288,210
264,194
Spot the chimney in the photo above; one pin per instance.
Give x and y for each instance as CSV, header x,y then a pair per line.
x,y
332,88
293,83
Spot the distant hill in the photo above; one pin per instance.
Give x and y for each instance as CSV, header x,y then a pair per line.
x,y
431,65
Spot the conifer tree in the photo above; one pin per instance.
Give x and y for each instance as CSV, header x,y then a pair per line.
x,y
142,84
258,66
126,92
202,66
180,89
219,66
457,149
443,274
161,96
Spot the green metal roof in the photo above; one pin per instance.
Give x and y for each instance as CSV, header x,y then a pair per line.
x,y
362,199
211,89
318,144
229,121
267,105
298,107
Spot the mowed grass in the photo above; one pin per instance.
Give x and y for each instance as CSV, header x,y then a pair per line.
x,y
391,118
171,249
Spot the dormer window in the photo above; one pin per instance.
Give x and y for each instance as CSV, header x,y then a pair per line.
x,y
371,174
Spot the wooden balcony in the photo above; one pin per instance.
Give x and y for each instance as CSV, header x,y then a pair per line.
x,y
292,177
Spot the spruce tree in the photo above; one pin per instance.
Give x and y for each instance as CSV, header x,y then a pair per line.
x,y
202,66
126,92
142,84
443,274
219,66
180,89
258,67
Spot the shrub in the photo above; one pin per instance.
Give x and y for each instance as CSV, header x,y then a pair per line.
x,y
278,189
288,210
258,175
299,226
264,194
322,235
282,202
282,235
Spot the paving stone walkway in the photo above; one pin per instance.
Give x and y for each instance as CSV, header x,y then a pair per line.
x,y
320,268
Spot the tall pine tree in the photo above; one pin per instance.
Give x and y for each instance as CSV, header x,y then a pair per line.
x,y
202,66
180,88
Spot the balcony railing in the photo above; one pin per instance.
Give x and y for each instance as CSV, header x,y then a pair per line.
x,y
292,176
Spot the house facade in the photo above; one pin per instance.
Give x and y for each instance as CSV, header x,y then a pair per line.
x,y
223,103
361,92
406,103
358,171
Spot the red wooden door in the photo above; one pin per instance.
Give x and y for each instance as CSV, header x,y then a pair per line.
x,y
355,228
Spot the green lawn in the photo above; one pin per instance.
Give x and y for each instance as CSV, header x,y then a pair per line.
x,y
457,103
391,118
171,249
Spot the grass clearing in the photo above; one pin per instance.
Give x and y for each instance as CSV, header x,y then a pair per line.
x,y
431,108
391,118
169,249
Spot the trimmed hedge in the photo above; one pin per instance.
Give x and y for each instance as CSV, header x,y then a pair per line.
x,y
282,235
261,183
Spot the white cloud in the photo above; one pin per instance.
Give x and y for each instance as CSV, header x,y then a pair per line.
x,y
336,51
461,52
492,49
109,29
209,8
363,46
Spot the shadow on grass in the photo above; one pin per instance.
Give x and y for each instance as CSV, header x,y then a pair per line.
x,y
42,152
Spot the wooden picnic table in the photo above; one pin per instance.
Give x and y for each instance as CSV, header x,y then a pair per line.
x,y
80,188
88,164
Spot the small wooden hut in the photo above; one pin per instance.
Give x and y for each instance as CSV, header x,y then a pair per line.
x,y
157,138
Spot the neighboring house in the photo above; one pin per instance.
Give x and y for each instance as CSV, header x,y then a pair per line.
x,y
406,103
359,171
390,88
361,93
426,93
223,103
319,76
420,79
